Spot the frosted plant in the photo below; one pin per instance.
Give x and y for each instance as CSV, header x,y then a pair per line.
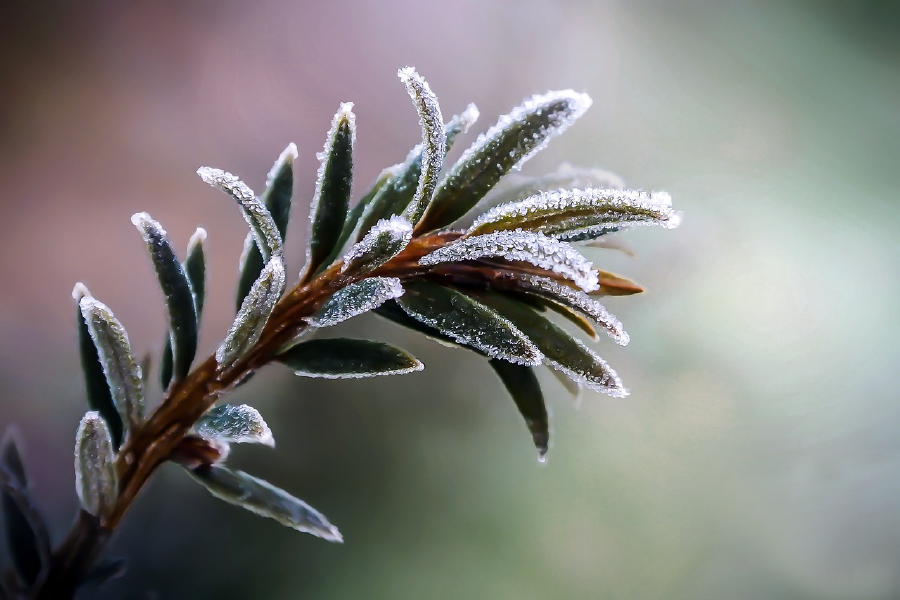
x,y
397,252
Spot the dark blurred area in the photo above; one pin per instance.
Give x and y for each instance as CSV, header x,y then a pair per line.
x,y
757,456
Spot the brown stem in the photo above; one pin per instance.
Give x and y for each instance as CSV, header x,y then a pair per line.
x,y
186,401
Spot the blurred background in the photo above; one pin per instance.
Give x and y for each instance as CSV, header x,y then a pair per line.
x,y
758,454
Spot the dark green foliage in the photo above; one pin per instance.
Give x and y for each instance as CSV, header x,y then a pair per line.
x,y
522,384
341,358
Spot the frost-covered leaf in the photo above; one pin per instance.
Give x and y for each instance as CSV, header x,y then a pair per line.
x,y
572,298
468,322
574,317
391,311
356,299
383,242
433,140
579,214
26,533
176,287
263,226
264,499
237,423
331,202
504,147
522,384
195,269
254,313
121,370
535,248
277,200
344,358
395,197
95,471
99,396
561,351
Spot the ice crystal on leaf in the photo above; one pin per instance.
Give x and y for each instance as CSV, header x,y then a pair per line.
x,y
356,299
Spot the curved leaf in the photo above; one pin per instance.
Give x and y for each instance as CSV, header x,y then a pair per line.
x,y
344,358
383,242
261,223
579,214
95,472
468,322
99,396
176,288
331,202
264,499
195,268
356,299
122,373
234,423
277,200
562,351
254,314
615,285
535,248
514,139
522,384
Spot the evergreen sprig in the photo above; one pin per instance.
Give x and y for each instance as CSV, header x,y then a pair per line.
x,y
484,287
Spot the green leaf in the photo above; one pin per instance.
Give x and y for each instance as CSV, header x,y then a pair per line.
x,y
176,287
263,226
95,471
99,396
561,351
536,248
26,533
356,213
522,384
576,215
356,299
468,322
569,298
433,140
234,423
195,269
504,147
277,200
254,314
264,499
343,358
391,311
121,370
396,196
385,240
331,202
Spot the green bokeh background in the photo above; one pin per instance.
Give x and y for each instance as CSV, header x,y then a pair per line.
x,y
757,456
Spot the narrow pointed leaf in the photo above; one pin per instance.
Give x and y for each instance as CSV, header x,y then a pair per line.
x,y
356,299
392,311
561,351
25,531
433,140
99,396
574,317
344,358
331,202
383,242
121,370
195,269
579,214
277,200
615,285
395,197
535,248
506,146
522,384
235,423
177,290
95,471
264,499
468,322
356,213
263,226
572,298
254,313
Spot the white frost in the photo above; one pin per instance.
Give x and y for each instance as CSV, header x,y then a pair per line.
x,y
356,299
237,423
535,248
386,239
